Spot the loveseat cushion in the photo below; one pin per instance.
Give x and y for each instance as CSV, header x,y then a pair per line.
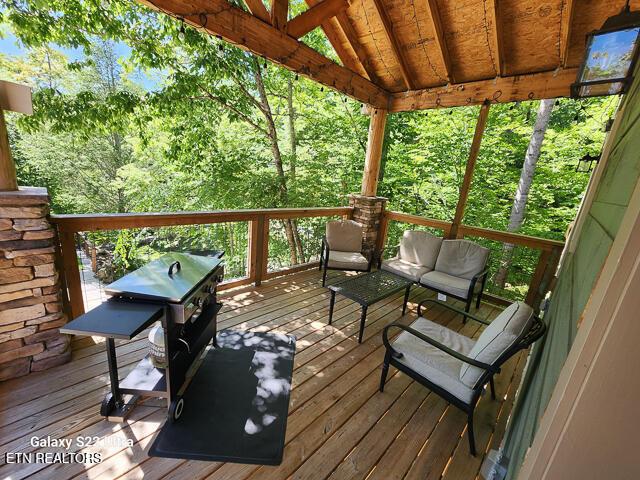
x,y
404,269
344,236
461,258
420,248
430,362
347,260
498,337
448,283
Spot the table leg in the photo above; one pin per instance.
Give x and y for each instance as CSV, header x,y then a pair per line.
x,y
113,372
406,299
332,302
363,317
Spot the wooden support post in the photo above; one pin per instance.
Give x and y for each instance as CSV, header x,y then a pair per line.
x,y
16,98
374,152
542,279
258,249
382,234
71,273
8,180
471,165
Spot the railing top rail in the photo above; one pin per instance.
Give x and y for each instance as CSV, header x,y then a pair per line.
x,y
506,237
115,221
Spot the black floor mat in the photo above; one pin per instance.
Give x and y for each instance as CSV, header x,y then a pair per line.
x,y
235,409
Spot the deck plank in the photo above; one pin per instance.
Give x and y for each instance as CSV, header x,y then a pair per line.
x,y
339,427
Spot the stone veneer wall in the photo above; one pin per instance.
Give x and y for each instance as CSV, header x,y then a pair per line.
x,y
30,301
368,212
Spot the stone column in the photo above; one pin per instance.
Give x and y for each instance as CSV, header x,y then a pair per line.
x,y
30,296
368,212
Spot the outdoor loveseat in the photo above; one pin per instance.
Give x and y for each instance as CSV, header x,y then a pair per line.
x,y
454,366
452,267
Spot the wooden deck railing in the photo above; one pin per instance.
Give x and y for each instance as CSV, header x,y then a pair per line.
x,y
550,250
258,246
258,242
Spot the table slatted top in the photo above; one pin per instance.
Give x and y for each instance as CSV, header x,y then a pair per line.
x,y
370,288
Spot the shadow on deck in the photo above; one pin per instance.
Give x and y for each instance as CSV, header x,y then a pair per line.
x,y
339,425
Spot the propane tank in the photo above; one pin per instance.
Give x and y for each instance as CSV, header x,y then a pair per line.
x,y
157,349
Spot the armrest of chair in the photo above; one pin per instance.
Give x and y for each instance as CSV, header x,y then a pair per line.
x,y
435,343
393,248
450,307
474,280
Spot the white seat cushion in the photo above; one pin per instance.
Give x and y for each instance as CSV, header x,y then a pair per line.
x,y
448,283
347,260
461,258
419,248
434,364
499,336
404,268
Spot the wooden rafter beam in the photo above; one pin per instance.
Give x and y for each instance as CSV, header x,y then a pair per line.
x,y
441,43
565,30
352,38
219,17
358,61
348,58
279,12
257,8
395,46
497,52
315,16
534,86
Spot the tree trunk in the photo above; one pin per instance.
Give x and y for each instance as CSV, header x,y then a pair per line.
x,y
293,143
272,134
524,185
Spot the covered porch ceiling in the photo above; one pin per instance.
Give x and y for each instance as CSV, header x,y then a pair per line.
x,y
401,55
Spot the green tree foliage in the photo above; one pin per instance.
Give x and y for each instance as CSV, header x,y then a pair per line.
x,y
217,128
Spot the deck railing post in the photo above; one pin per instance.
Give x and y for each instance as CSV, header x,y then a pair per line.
x,y
257,240
71,273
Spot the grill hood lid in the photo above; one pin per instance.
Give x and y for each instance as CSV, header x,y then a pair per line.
x,y
153,281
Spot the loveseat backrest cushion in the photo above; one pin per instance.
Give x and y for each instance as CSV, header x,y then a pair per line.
x,y
461,258
344,236
420,248
497,338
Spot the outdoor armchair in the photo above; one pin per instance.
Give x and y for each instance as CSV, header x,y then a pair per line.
x,y
342,248
456,367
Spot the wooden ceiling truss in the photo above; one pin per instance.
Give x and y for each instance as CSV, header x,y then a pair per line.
x,y
401,55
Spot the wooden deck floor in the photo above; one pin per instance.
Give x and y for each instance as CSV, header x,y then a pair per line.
x,y
339,427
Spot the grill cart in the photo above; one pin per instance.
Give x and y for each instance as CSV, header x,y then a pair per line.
x,y
178,290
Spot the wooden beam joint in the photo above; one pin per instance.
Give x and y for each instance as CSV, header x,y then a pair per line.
x,y
315,16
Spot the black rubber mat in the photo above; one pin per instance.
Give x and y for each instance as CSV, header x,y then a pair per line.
x,y
235,409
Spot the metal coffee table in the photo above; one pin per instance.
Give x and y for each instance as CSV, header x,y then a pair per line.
x,y
368,289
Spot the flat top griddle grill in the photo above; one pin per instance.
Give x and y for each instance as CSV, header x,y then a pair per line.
x,y
151,282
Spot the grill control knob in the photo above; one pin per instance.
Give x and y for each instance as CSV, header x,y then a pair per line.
x,y
209,289
197,302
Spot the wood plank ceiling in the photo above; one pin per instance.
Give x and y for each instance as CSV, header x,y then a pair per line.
x,y
417,54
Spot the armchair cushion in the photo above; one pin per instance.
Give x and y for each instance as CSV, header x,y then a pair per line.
x,y
433,364
347,260
461,258
497,338
420,248
404,269
344,236
448,283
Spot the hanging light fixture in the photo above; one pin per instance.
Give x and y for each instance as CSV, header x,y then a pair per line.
x,y
611,55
